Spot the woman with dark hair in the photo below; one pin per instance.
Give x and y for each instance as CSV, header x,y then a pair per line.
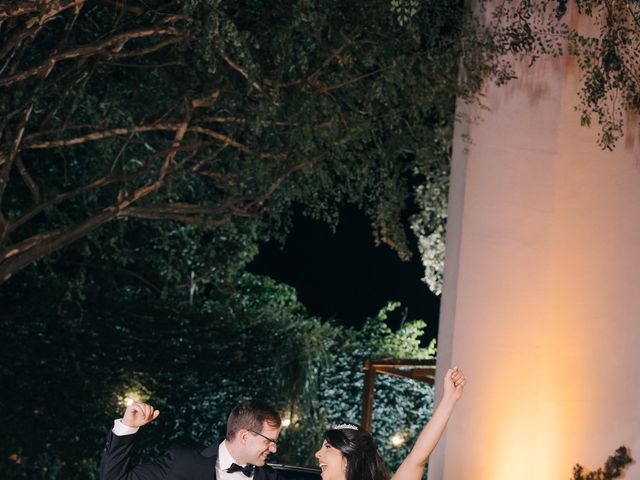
x,y
349,453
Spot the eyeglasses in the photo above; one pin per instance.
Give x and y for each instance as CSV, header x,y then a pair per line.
x,y
270,440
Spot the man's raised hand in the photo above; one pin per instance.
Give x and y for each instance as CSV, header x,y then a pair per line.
x,y
138,414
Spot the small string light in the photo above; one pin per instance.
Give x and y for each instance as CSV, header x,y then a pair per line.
x,y
397,440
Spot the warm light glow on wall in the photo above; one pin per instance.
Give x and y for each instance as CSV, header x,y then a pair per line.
x,y
533,421
543,306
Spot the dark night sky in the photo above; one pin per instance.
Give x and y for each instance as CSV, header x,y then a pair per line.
x,y
345,276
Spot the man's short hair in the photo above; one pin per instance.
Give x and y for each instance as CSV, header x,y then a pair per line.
x,y
250,415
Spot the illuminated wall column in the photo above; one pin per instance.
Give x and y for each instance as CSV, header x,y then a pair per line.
x,y
541,302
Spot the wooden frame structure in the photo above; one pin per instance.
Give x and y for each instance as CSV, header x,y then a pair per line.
x,y
420,370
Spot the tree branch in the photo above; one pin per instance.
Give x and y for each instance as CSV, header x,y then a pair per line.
x,y
40,207
115,42
7,156
17,256
28,180
243,121
151,49
244,73
19,36
16,9
191,214
29,142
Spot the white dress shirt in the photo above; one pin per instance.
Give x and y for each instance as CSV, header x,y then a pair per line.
x,y
224,461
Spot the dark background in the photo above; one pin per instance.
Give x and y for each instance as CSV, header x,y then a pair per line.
x,y
345,276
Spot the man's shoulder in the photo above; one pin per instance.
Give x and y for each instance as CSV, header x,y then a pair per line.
x,y
196,451
189,459
184,449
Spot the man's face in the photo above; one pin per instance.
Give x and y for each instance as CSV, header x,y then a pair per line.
x,y
257,446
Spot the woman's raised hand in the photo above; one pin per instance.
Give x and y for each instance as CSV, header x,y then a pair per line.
x,y
454,382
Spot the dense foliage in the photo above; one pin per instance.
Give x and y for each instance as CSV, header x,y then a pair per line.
x,y
66,376
604,38
601,36
145,149
209,111
401,406
613,467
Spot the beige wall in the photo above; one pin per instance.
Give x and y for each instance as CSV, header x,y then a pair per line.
x,y
541,302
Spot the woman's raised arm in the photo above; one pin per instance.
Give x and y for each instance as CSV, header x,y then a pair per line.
x,y
413,466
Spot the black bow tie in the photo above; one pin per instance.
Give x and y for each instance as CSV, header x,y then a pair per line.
x,y
247,469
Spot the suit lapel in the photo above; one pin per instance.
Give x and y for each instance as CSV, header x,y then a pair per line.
x,y
210,452
210,456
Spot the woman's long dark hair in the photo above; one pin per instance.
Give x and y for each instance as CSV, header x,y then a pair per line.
x,y
363,459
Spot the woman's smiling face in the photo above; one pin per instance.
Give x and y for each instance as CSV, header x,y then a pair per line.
x,y
332,463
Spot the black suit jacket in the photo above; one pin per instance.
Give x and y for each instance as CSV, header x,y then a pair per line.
x,y
178,463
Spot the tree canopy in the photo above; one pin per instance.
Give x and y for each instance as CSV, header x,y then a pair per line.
x,y
208,112
603,37
146,149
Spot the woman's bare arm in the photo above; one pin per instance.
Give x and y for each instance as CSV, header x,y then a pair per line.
x,y
413,466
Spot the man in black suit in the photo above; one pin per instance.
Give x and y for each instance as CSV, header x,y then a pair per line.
x,y
253,428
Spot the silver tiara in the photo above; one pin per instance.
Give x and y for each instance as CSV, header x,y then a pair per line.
x,y
344,426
